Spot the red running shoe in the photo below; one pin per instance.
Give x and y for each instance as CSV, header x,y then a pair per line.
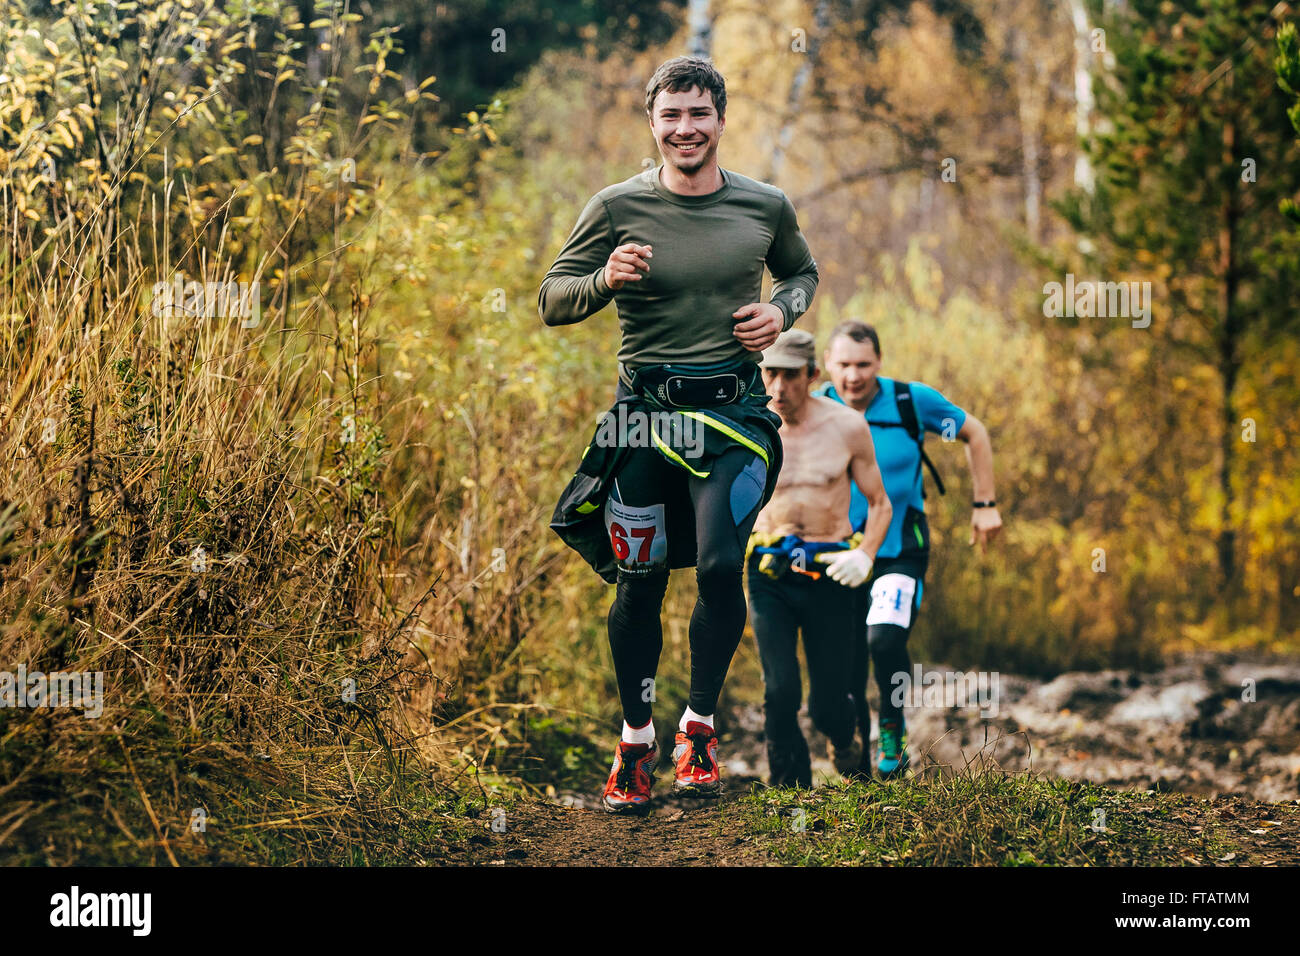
x,y
695,759
630,779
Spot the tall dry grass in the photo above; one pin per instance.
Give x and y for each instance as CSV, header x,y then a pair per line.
x,y
197,504
192,508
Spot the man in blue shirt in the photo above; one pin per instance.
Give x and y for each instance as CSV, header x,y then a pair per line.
x,y
899,414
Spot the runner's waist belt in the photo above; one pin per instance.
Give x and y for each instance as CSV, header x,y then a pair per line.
x,y
783,553
695,386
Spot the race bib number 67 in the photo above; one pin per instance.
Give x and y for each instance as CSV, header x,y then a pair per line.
x,y
636,535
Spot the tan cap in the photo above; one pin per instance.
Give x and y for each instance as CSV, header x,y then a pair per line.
x,y
792,349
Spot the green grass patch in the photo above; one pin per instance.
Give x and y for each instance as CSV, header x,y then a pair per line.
x,y
983,819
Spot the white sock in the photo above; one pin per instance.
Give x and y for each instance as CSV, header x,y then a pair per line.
x,y
639,735
692,715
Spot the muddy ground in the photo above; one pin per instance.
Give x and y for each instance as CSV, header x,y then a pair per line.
x,y
1211,726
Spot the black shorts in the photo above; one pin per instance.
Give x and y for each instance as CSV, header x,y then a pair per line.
x,y
652,502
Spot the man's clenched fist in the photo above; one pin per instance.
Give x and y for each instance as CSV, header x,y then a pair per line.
x,y
762,323
624,262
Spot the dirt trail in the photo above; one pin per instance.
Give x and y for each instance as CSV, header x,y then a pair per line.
x,y
680,832
574,830
1184,729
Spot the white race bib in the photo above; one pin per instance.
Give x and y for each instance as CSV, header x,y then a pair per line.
x,y
891,600
637,535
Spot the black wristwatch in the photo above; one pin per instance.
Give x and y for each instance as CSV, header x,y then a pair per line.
x,y
984,504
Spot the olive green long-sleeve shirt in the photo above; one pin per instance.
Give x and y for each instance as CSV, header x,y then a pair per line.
x,y
709,253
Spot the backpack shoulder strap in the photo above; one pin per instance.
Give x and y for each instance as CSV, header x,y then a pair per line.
x,y
906,410
907,415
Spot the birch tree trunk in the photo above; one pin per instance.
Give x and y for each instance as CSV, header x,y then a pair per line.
x,y
1083,102
1031,92
699,20
794,101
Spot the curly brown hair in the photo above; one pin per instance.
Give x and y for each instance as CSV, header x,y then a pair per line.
x,y
680,74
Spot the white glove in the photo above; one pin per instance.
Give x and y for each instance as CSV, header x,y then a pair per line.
x,y
850,568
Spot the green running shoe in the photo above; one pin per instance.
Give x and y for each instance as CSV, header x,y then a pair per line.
x,y
893,749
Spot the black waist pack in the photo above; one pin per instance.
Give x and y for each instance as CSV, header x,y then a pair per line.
x,y
696,386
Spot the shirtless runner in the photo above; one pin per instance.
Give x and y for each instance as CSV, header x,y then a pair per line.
x,y
803,568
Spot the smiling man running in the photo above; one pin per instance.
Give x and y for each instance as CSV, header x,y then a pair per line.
x,y
681,248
